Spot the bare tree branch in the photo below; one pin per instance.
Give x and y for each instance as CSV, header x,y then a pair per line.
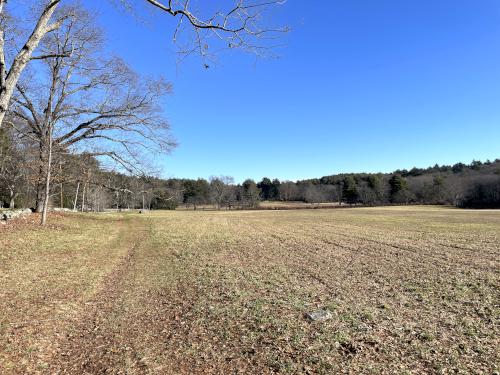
x,y
239,27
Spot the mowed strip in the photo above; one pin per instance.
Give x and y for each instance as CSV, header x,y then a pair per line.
x,y
47,275
412,289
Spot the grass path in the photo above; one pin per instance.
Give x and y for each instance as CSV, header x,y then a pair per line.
x,y
48,277
101,337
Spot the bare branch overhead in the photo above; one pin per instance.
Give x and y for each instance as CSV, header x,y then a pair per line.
x,y
240,26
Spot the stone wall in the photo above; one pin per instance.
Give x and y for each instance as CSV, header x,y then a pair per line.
x,y
13,214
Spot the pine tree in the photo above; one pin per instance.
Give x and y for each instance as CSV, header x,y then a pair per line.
x,y
350,191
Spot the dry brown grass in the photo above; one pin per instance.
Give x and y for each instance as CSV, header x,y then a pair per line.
x,y
411,290
280,205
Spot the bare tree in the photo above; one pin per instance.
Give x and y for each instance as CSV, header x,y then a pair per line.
x,y
220,189
313,194
249,194
288,190
88,104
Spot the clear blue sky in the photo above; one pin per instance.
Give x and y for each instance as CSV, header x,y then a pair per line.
x,y
359,86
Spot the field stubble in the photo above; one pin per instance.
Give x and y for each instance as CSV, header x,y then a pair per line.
x,y
409,290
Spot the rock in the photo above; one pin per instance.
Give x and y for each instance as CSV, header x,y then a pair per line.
x,y
318,315
13,214
8,215
59,209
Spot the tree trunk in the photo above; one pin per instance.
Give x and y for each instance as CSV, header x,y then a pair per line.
x,y
61,186
76,196
83,197
40,179
8,80
47,180
12,202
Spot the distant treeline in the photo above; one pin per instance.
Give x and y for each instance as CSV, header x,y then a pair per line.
x,y
474,185
79,182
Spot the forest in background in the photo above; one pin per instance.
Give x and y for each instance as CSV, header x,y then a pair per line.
x,y
80,182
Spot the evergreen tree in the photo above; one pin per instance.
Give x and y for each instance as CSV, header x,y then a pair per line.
x,y
476,165
250,194
399,189
458,167
373,182
275,190
350,191
196,192
265,187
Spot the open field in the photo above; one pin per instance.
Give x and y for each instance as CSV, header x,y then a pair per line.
x,y
266,205
410,290
281,205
